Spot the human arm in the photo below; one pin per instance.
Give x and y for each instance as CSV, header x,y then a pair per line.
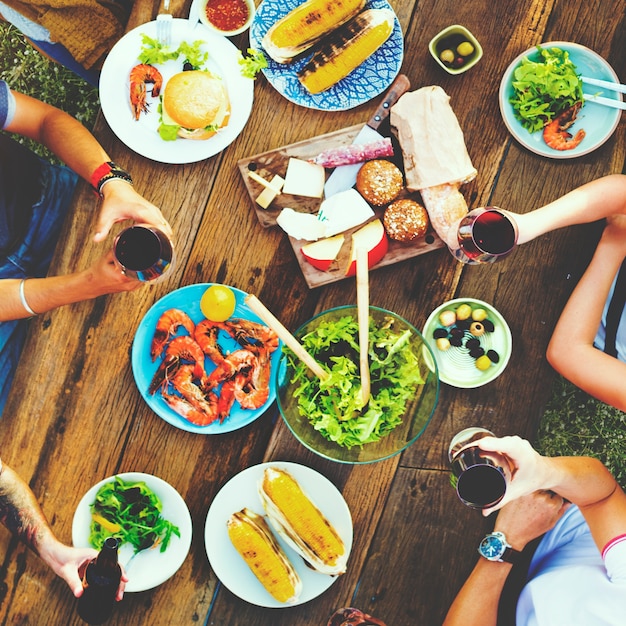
x,y
78,149
45,294
591,202
584,481
22,515
521,521
571,351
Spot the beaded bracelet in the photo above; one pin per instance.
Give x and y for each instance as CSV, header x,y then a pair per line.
x,y
23,299
106,172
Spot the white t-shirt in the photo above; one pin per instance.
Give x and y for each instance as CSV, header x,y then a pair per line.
x,y
570,584
620,340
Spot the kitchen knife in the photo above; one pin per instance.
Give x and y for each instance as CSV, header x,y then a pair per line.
x,y
344,176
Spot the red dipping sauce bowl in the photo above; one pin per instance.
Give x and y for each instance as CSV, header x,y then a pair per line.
x,y
227,17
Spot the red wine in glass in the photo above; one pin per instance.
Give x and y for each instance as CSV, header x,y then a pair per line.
x,y
481,477
486,235
143,252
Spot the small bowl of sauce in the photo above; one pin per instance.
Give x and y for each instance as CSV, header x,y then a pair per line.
x,y
455,49
227,17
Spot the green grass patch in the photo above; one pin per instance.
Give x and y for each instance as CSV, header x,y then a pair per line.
x,y
575,424
28,71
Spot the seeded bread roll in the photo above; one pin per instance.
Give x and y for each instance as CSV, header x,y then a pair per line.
x,y
405,220
379,182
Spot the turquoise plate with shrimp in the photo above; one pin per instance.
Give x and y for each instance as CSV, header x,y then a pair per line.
x,y
187,299
598,121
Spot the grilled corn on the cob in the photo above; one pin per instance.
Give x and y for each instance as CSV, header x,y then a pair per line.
x,y
303,526
306,24
253,539
345,49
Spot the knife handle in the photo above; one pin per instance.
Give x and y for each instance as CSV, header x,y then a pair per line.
x,y
399,86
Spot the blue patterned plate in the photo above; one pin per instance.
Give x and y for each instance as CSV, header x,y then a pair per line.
x,y
368,80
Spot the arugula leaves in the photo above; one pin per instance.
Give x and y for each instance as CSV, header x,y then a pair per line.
x,y
130,511
333,406
543,89
252,63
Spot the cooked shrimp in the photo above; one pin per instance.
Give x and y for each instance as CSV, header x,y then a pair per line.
x,y
140,75
232,363
169,322
206,335
180,349
250,334
187,411
555,133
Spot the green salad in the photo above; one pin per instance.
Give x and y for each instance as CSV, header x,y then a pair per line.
x,y
130,511
543,89
333,406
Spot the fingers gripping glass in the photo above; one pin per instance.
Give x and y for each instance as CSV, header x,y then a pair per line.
x,y
143,252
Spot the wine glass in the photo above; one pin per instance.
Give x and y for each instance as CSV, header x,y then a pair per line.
x,y
143,252
486,235
481,477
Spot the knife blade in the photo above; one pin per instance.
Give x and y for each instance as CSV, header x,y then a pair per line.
x,y
344,176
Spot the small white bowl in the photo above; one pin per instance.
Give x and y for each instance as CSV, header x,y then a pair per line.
x,y
203,17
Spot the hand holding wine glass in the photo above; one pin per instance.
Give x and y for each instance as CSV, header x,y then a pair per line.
x,y
486,235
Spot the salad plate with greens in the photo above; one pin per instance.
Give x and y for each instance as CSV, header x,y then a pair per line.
x,y
545,81
147,515
328,416
192,47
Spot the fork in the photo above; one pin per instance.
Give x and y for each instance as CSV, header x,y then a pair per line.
x,y
164,24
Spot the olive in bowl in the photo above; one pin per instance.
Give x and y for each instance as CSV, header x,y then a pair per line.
x,y
455,49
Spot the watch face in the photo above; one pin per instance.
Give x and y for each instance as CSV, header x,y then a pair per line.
x,y
492,547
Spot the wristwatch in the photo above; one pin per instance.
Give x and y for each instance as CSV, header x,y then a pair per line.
x,y
494,547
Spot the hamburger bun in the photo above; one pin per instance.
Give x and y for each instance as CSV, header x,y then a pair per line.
x,y
198,102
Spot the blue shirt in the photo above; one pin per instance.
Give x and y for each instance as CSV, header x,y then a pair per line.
x,y
20,179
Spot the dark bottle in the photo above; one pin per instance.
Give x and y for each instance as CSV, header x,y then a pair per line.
x,y
101,581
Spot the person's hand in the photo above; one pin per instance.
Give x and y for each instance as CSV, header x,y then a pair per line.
x,y
121,202
530,516
528,467
105,277
70,563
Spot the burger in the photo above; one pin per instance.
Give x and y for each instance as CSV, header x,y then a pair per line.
x,y
195,105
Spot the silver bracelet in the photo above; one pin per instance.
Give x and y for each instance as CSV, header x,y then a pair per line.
x,y
23,299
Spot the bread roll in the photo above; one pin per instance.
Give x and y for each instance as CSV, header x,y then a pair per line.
x,y
405,220
379,182
198,102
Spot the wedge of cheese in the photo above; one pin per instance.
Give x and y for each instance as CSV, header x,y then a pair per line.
x,y
304,178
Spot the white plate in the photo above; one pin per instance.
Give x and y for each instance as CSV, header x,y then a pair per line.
x,y
598,121
456,366
365,82
141,135
241,491
149,568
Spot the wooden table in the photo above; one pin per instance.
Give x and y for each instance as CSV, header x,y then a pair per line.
x,y
75,415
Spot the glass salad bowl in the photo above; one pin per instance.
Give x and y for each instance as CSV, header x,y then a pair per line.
x,y
326,417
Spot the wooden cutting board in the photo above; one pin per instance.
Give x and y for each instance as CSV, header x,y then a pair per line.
x,y
272,162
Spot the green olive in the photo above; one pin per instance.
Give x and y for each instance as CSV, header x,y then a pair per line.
x,y
447,56
465,49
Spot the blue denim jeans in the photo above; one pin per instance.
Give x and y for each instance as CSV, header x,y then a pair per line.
x,y
32,258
